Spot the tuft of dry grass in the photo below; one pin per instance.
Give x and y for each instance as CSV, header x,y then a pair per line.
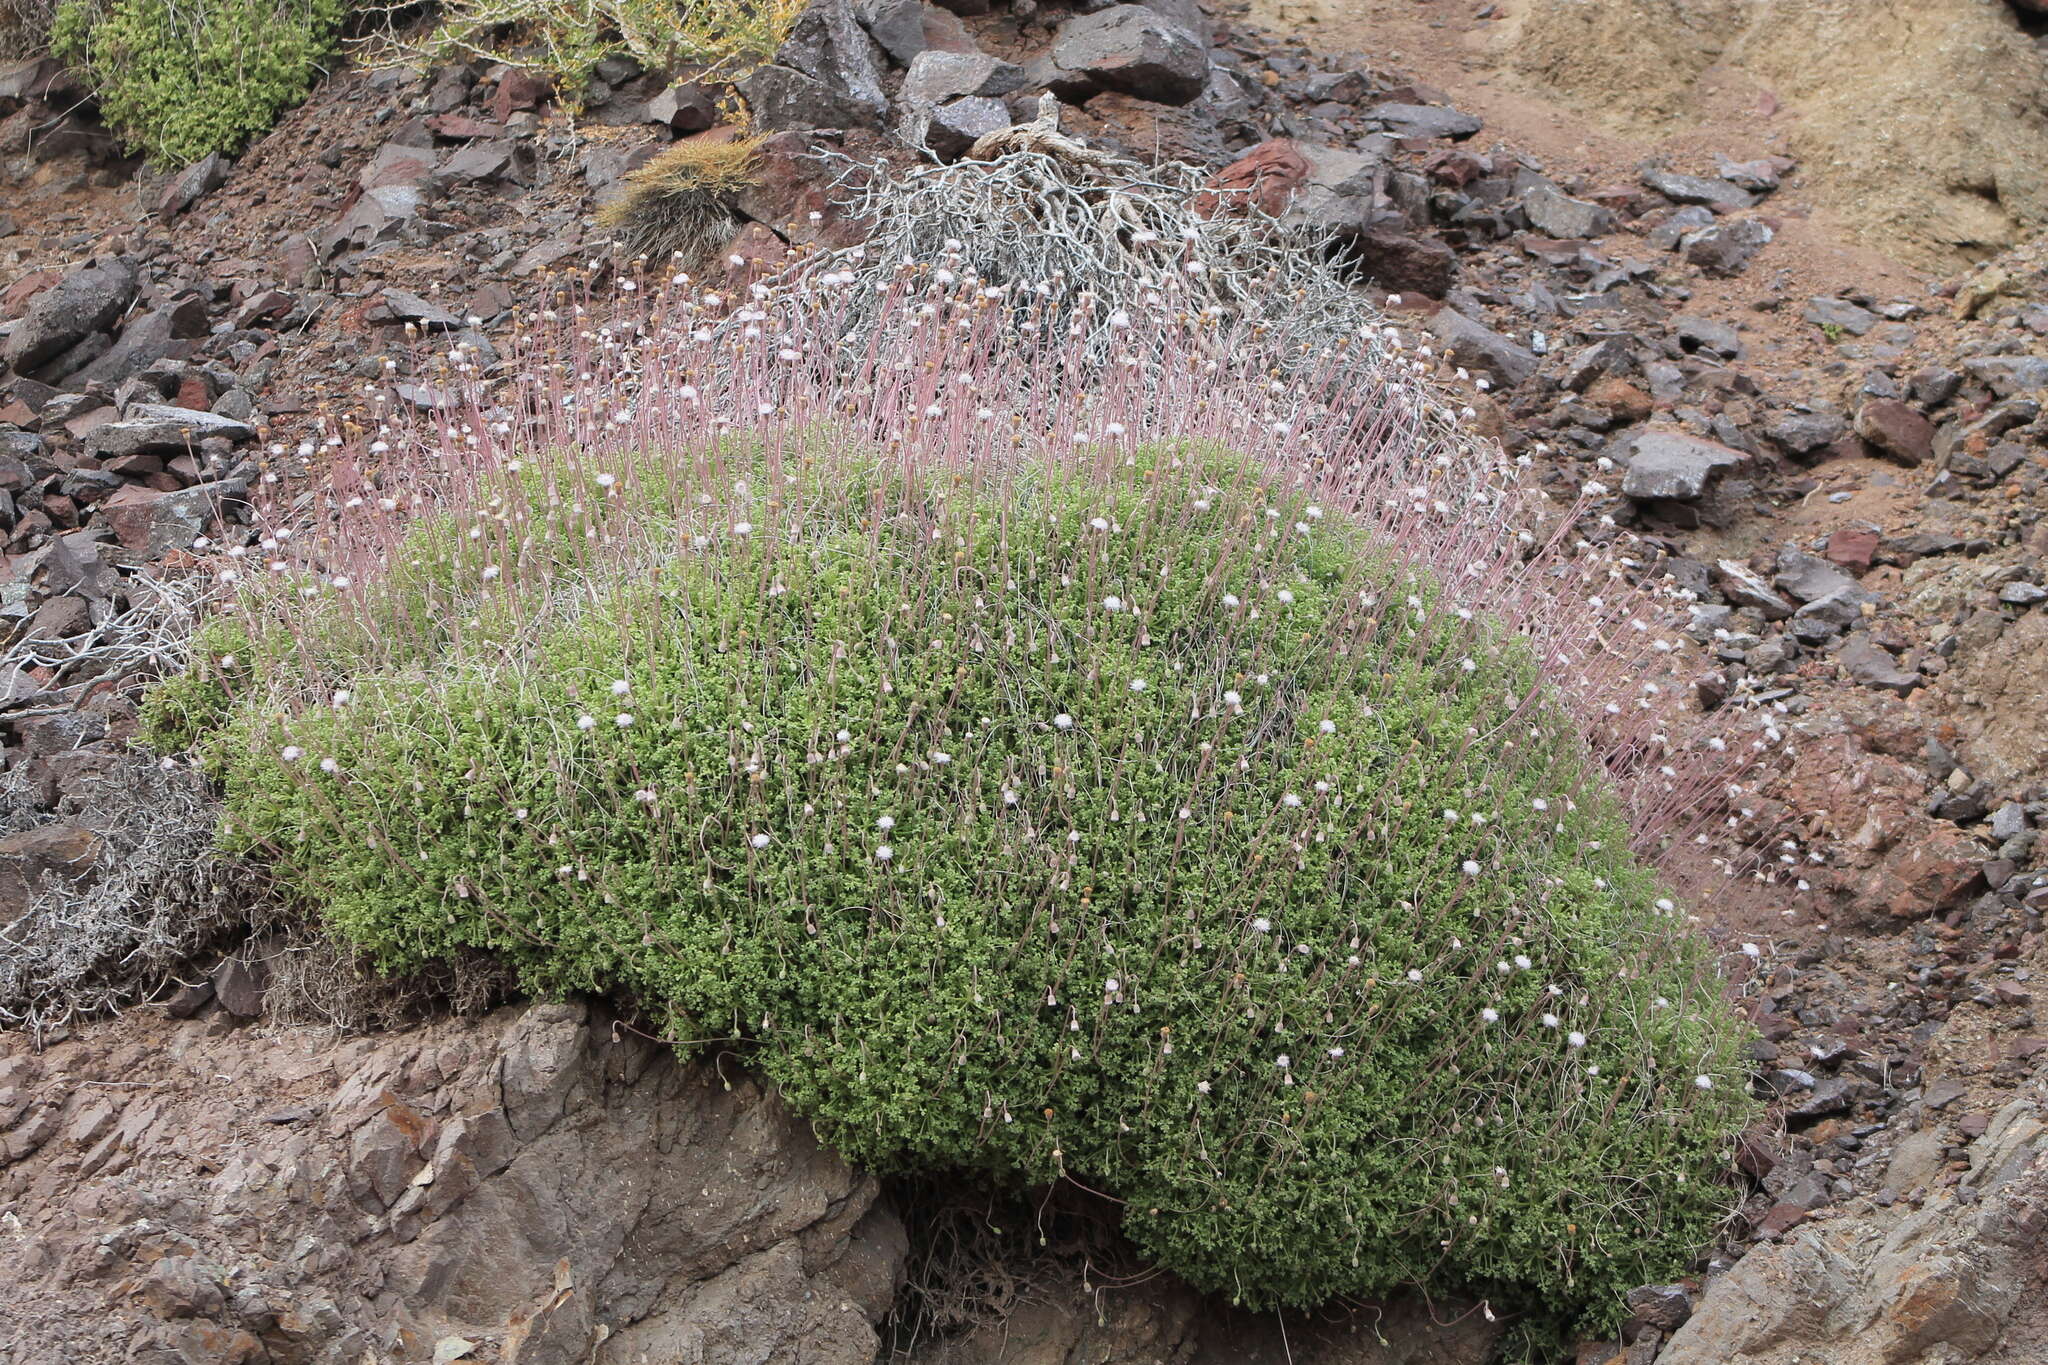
x,y
564,40
679,205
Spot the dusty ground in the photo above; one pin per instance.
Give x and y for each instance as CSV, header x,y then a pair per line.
x,y
1923,124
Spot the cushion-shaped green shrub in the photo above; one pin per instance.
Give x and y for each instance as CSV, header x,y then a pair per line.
x,y
1134,820
180,81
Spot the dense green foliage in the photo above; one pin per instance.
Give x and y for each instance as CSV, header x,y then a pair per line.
x,y
178,81
1141,824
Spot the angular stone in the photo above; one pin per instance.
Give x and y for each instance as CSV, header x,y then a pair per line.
x,y
240,984
491,159
1871,665
951,129
1135,50
463,128
397,163
1672,465
68,853
1853,548
1403,261
1478,347
1805,577
788,191
1697,189
1803,433
1830,614
157,523
2009,375
828,45
378,216
156,335
519,89
60,618
1662,1306
428,316
1725,248
159,427
188,186
1897,430
1697,334
86,301
1556,214
1597,361
1424,120
1839,313
683,108
783,99
1743,588
898,25
1266,178
1337,87
1672,230
936,77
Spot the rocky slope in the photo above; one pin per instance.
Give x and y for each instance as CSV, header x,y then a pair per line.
x,y
1845,460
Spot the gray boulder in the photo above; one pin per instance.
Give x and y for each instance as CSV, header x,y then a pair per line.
x,y
783,99
936,77
898,25
827,74
159,427
1697,189
1839,314
1133,50
1478,347
190,185
1425,121
1725,248
1556,214
950,129
89,299
1869,663
148,339
1675,466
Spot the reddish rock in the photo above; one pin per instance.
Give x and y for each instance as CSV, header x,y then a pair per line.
x,y
788,190
1780,1220
1405,262
1621,398
91,420
461,127
1455,167
1852,548
16,296
129,512
1266,177
1896,430
518,90
194,393
1932,868
64,851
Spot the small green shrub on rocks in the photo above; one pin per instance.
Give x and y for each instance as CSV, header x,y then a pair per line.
x,y
180,81
1025,797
